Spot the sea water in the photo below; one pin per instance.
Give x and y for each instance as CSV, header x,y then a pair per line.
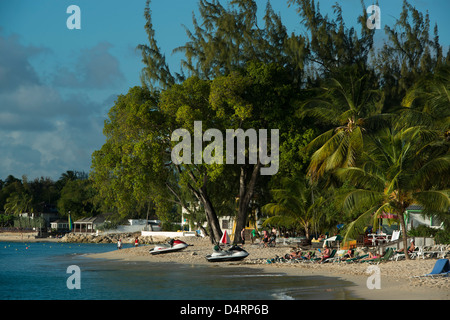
x,y
39,271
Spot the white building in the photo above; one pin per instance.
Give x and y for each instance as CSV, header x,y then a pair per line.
x,y
414,218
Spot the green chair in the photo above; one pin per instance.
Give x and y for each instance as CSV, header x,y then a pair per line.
x,y
387,255
331,257
355,259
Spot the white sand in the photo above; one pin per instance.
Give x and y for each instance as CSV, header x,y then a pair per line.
x,y
396,277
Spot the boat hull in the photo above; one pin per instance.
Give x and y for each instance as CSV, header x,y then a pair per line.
x,y
220,259
227,256
161,249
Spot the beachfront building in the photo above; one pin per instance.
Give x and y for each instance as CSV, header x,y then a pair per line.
x,y
38,219
88,225
60,225
414,218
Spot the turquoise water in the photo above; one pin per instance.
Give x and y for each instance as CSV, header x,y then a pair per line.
x,y
38,271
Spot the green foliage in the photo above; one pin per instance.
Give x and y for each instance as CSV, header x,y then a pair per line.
x,y
442,236
295,206
226,39
108,225
351,106
77,197
331,45
422,231
28,223
6,220
369,127
397,169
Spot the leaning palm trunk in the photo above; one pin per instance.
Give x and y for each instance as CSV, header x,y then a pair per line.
x,y
399,168
401,218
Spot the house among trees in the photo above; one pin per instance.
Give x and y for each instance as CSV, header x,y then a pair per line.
x,y
415,218
60,225
87,225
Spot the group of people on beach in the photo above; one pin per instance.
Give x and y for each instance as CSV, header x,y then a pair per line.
x,y
119,243
267,239
325,254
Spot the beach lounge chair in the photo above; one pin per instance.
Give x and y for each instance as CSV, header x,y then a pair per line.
x,y
401,255
356,259
439,251
441,268
312,258
331,258
369,260
386,257
304,257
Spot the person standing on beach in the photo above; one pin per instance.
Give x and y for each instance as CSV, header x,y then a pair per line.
x,y
119,244
136,242
265,238
253,235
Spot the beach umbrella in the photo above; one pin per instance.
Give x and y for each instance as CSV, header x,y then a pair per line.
x,y
225,239
334,238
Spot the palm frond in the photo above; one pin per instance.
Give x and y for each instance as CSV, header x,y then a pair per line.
x,y
432,170
359,199
360,177
434,201
356,227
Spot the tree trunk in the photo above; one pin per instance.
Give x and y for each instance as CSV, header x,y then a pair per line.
x,y
307,231
211,218
245,195
405,239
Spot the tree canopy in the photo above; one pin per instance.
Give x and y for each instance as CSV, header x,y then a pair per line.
x,y
368,126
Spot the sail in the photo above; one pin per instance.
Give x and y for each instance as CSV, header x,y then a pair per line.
x,y
70,223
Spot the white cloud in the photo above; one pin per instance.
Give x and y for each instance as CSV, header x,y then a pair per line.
x,y
94,68
43,130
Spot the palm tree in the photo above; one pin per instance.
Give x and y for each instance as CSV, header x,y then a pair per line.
x,y
399,168
294,205
351,107
428,102
18,203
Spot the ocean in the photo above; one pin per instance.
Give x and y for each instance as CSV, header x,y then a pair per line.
x,y
40,271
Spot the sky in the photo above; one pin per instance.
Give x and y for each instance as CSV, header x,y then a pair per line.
x,y
58,84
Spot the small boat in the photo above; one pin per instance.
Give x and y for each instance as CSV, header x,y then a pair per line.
x,y
234,253
172,246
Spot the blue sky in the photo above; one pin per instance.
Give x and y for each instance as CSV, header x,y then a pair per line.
x,y
57,85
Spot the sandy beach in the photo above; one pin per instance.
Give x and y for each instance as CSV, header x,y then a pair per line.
x,y
397,278
24,237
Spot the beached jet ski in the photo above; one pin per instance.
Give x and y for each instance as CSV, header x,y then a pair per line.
x,y
234,253
173,245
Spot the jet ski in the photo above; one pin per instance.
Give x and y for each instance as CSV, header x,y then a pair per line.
x,y
234,253
171,246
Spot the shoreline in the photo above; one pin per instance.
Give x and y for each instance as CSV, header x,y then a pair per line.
x,y
26,238
397,280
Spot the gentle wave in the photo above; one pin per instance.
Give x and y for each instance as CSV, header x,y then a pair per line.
x,y
262,275
282,296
